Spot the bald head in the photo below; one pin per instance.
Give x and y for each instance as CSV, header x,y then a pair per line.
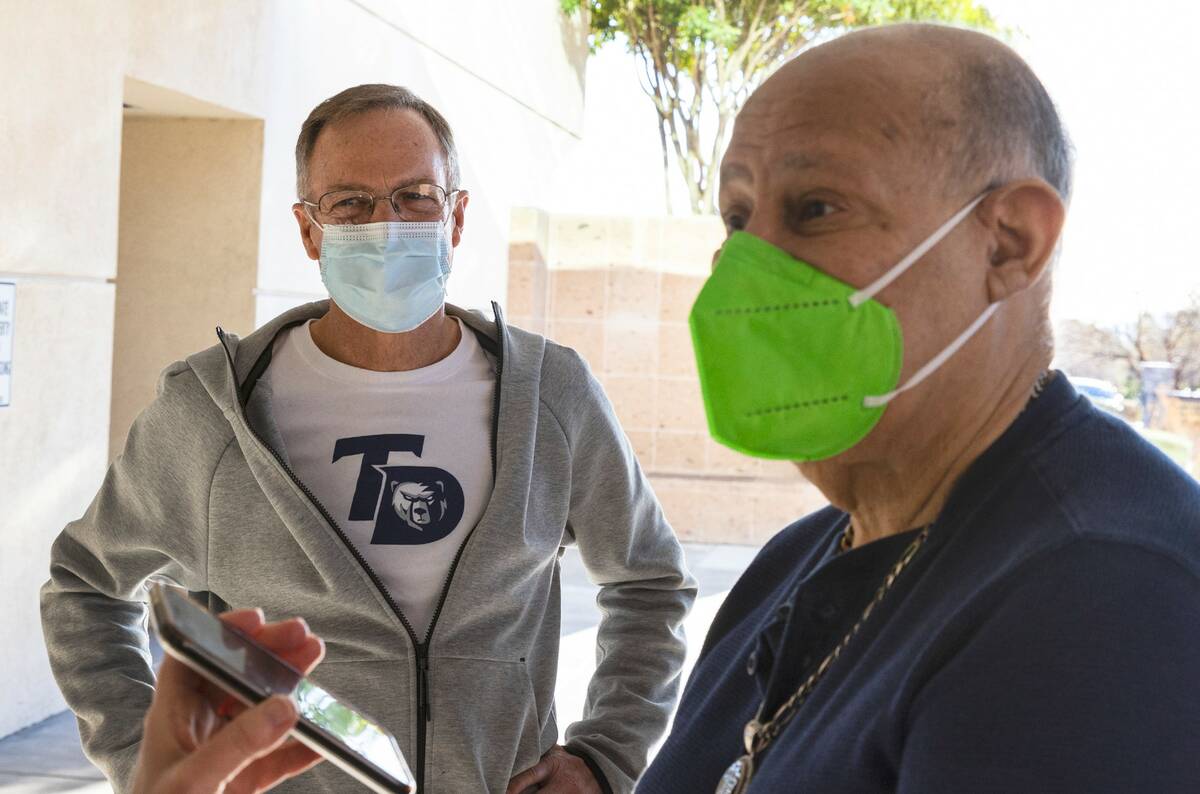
x,y
964,102
858,150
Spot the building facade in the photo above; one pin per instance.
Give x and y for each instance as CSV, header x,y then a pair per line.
x,y
146,155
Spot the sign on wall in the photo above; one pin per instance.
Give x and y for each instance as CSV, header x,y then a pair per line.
x,y
8,300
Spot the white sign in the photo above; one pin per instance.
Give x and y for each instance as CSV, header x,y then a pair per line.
x,y
8,300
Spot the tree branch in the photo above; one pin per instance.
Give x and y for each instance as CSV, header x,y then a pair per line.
x,y
731,46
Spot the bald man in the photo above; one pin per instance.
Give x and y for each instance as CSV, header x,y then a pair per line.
x,y
1004,593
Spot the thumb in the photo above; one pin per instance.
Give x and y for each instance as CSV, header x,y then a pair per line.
x,y
255,733
538,773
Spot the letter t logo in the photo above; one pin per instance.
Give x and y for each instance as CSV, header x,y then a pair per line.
x,y
374,451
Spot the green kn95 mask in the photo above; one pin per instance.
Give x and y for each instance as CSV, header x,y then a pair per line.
x,y
795,364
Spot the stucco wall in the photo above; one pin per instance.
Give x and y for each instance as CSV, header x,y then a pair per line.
x,y
507,75
53,449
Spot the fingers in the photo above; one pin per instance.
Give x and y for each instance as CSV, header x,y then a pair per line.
x,y
291,640
284,635
561,784
559,772
176,677
248,621
305,656
289,760
251,736
538,773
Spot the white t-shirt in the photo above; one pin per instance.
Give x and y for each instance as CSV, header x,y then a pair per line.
x,y
401,460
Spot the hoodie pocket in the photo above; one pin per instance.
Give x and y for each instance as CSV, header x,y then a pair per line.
x,y
484,725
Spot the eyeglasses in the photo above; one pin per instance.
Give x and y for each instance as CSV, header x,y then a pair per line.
x,y
421,202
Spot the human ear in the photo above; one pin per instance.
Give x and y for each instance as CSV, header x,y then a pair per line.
x,y
459,215
1024,220
310,234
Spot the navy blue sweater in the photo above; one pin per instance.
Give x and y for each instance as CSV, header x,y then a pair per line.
x,y
1045,639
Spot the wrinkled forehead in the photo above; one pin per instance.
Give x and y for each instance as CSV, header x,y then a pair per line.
x,y
850,111
376,149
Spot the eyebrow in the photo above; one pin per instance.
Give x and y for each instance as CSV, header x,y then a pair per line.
x,y
795,161
801,160
736,171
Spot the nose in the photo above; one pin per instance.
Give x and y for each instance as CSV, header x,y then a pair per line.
x,y
384,211
764,225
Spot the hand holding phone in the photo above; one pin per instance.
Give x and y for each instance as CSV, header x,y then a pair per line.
x,y
244,667
190,745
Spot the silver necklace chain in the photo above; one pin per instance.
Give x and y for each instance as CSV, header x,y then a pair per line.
x,y
1040,385
758,735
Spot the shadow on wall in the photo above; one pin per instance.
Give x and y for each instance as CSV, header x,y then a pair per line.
x,y
618,291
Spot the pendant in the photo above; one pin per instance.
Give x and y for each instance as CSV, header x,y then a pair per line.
x,y
737,777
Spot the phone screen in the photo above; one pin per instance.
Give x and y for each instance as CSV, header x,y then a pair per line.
x,y
355,731
269,675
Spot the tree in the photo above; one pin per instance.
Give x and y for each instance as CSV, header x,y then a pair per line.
x,y
1173,337
1181,344
703,58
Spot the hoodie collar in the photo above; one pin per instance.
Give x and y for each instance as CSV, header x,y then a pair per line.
x,y
249,357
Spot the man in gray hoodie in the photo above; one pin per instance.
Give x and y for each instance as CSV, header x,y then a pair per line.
x,y
402,473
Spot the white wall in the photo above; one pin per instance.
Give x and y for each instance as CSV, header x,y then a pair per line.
x,y
511,89
507,75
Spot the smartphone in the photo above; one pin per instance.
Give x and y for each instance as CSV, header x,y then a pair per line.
x,y
247,670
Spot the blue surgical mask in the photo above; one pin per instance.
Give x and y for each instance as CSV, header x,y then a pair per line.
x,y
389,276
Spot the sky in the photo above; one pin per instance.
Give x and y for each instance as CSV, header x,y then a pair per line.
x,y
1126,79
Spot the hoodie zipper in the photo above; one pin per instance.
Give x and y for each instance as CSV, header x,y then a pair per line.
x,y
437,612
420,649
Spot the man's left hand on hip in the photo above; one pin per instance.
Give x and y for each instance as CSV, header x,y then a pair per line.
x,y
558,772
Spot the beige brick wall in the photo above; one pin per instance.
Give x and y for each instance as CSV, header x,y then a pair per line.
x,y
619,290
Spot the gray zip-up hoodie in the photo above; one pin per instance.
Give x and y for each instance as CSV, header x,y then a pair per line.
x,y
202,497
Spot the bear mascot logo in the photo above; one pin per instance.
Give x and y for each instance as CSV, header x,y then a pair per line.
x,y
426,504
418,504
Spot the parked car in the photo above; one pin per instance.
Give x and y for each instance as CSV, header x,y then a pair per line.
x,y
1102,393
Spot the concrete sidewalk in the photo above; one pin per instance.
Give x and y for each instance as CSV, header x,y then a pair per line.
x,y
46,757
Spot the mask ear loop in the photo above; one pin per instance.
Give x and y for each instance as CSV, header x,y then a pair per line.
x,y
937,361
871,290
446,243
874,288
311,216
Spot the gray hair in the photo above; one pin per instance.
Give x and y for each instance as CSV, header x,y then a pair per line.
x,y
1007,117
364,98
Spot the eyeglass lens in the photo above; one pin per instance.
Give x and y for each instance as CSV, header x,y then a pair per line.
x,y
412,203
